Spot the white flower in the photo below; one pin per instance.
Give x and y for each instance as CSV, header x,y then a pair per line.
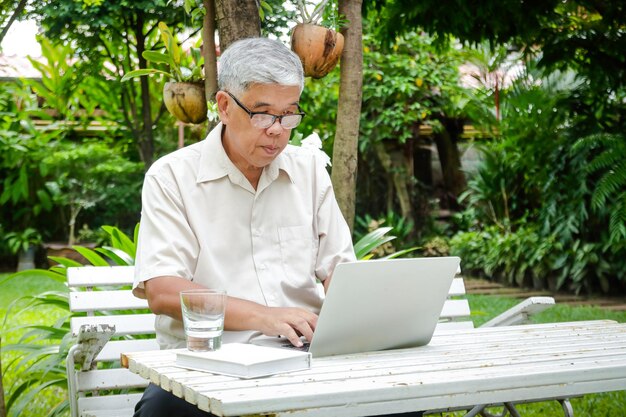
x,y
314,142
212,111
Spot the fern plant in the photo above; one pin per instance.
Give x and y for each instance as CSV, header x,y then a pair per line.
x,y
609,162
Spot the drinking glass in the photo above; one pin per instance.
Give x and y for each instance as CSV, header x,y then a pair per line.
x,y
203,318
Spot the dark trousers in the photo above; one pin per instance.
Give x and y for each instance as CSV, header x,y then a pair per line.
x,y
156,402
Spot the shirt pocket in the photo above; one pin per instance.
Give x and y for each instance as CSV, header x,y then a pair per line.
x,y
296,248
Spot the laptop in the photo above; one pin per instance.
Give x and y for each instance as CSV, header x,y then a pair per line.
x,y
381,304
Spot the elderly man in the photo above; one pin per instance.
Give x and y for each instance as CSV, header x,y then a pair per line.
x,y
241,211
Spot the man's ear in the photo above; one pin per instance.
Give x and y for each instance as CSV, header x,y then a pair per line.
x,y
221,98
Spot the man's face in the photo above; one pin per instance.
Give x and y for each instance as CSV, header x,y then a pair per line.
x,y
249,147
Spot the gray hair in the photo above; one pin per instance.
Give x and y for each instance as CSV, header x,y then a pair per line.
x,y
258,61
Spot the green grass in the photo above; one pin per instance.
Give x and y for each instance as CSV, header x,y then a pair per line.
x,y
14,295
14,288
484,307
14,312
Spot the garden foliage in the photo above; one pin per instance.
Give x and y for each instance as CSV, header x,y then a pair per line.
x,y
63,160
37,361
547,204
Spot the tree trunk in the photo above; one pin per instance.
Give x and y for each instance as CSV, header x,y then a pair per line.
x,y
398,170
450,159
210,57
349,110
237,19
74,211
208,50
146,136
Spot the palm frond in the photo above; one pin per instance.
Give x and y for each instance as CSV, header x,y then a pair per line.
x,y
604,161
612,182
597,140
608,161
617,221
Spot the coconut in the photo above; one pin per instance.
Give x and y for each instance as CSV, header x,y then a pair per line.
x,y
186,101
318,47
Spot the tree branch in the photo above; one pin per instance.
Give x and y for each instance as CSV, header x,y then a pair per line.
x,y
18,11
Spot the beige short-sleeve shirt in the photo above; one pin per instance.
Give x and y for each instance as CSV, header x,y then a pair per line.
x,y
202,220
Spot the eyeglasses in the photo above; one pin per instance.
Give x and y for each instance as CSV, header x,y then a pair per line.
x,y
262,120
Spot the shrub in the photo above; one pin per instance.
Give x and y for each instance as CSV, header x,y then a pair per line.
x,y
546,206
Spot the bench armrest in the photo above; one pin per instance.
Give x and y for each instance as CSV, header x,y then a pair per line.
x,y
520,313
91,340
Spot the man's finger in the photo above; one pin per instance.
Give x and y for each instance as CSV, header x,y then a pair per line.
x,y
305,328
293,337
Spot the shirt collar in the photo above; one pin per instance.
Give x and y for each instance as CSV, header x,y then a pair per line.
x,y
215,164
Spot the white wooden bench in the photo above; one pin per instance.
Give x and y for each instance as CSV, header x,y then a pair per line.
x,y
456,313
99,387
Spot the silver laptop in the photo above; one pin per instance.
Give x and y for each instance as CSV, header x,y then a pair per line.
x,y
382,304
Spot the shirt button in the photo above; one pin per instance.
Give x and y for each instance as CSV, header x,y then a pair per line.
x,y
262,267
256,232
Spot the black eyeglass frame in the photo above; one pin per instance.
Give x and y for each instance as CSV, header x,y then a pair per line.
x,y
274,116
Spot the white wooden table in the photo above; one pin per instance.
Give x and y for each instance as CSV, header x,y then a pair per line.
x,y
457,369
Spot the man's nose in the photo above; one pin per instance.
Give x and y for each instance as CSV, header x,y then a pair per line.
x,y
276,128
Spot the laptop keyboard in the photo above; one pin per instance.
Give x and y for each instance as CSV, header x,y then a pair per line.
x,y
303,348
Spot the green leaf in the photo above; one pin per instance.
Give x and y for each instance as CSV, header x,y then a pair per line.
x,y
136,233
91,256
44,199
35,273
116,255
120,241
171,44
371,241
145,71
267,6
197,13
157,57
64,261
402,252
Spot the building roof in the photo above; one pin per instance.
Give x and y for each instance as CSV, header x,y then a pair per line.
x,y
14,66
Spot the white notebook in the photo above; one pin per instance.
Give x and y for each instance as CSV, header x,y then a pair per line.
x,y
244,360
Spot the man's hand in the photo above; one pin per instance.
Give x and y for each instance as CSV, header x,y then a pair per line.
x,y
288,322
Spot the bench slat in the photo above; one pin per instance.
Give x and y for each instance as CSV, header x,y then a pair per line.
x,y
113,350
102,379
105,300
455,309
108,405
100,276
124,412
124,324
457,288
